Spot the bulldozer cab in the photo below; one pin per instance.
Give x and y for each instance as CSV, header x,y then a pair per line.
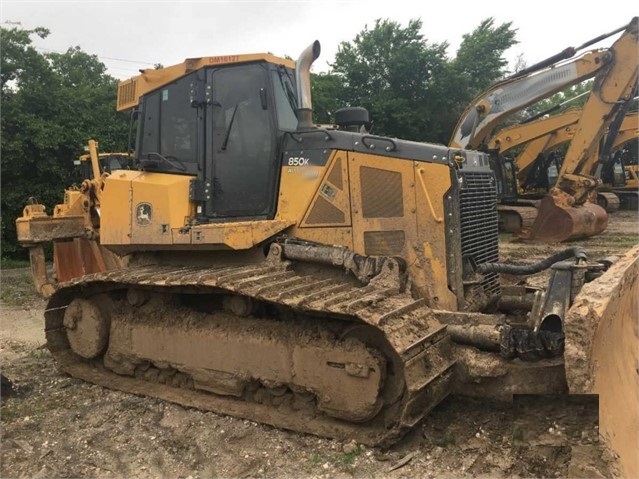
x,y
223,125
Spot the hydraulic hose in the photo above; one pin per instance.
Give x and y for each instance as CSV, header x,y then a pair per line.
x,y
574,252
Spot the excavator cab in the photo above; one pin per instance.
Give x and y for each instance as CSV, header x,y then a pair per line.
x,y
505,176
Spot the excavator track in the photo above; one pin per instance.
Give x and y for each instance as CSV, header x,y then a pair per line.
x,y
628,199
300,350
514,218
608,201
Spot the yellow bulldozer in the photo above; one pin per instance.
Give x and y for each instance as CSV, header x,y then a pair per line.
x,y
323,280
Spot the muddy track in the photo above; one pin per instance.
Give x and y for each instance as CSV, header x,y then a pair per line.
x,y
413,348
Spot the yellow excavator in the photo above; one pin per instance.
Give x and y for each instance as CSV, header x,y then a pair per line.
x,y
323,280
614,163
618,167
536,161
530,138
566,213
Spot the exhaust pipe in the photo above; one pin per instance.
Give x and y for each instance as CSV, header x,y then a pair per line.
x,y
303,85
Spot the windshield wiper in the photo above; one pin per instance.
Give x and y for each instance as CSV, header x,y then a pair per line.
x,y
288,89
170,160
228,130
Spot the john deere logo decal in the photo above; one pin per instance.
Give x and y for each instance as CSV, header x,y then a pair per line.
x,y
143,214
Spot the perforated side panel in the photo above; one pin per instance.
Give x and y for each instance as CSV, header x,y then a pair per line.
x,y
126,93
381,193
325,213
335,176
384,242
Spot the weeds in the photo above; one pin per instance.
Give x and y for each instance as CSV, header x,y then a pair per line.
x,y
17,290
8,263
343,461
346,460
39,353
20,408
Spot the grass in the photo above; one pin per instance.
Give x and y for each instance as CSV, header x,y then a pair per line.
x,y
17,290
623,241
39,353
346,460
34,406
343,461
8,263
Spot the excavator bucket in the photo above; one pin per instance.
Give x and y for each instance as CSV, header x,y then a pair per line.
x,y
602,355
557,222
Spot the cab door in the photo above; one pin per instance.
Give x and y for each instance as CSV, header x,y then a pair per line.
x,y
241,144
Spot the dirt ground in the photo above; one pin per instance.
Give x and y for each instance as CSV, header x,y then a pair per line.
x,y
56,426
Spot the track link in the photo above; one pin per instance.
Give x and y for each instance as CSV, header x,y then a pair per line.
x,y
375,324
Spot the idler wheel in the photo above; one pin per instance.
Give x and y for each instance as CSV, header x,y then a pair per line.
x,y
87,328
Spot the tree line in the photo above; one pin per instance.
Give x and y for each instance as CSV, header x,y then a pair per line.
x,y
52,103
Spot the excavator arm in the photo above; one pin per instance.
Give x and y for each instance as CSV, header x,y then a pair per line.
x,y
535,135
535,145
629,131
529,86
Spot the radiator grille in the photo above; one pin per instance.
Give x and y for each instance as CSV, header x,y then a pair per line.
x,y
381,193
479,223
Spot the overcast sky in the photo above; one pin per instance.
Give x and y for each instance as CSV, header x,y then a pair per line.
x,y
132,34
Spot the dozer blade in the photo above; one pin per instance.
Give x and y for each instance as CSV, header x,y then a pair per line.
x,y
556,222
602,355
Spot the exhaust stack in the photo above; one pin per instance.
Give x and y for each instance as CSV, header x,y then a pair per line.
x,y
303,85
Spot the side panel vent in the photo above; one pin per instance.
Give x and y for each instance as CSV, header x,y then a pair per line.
x,y
384,243
126,94
324,213
335,176
381,193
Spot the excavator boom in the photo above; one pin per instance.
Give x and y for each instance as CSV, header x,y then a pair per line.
x,y
526,87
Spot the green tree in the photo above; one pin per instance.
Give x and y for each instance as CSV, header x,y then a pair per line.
x,y
409,85
327,92
478,64
389,70
52,104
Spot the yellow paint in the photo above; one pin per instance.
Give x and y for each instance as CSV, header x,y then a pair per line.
x,y
377,225
130,90
298,185
421,172
236,235
336,195
431,250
